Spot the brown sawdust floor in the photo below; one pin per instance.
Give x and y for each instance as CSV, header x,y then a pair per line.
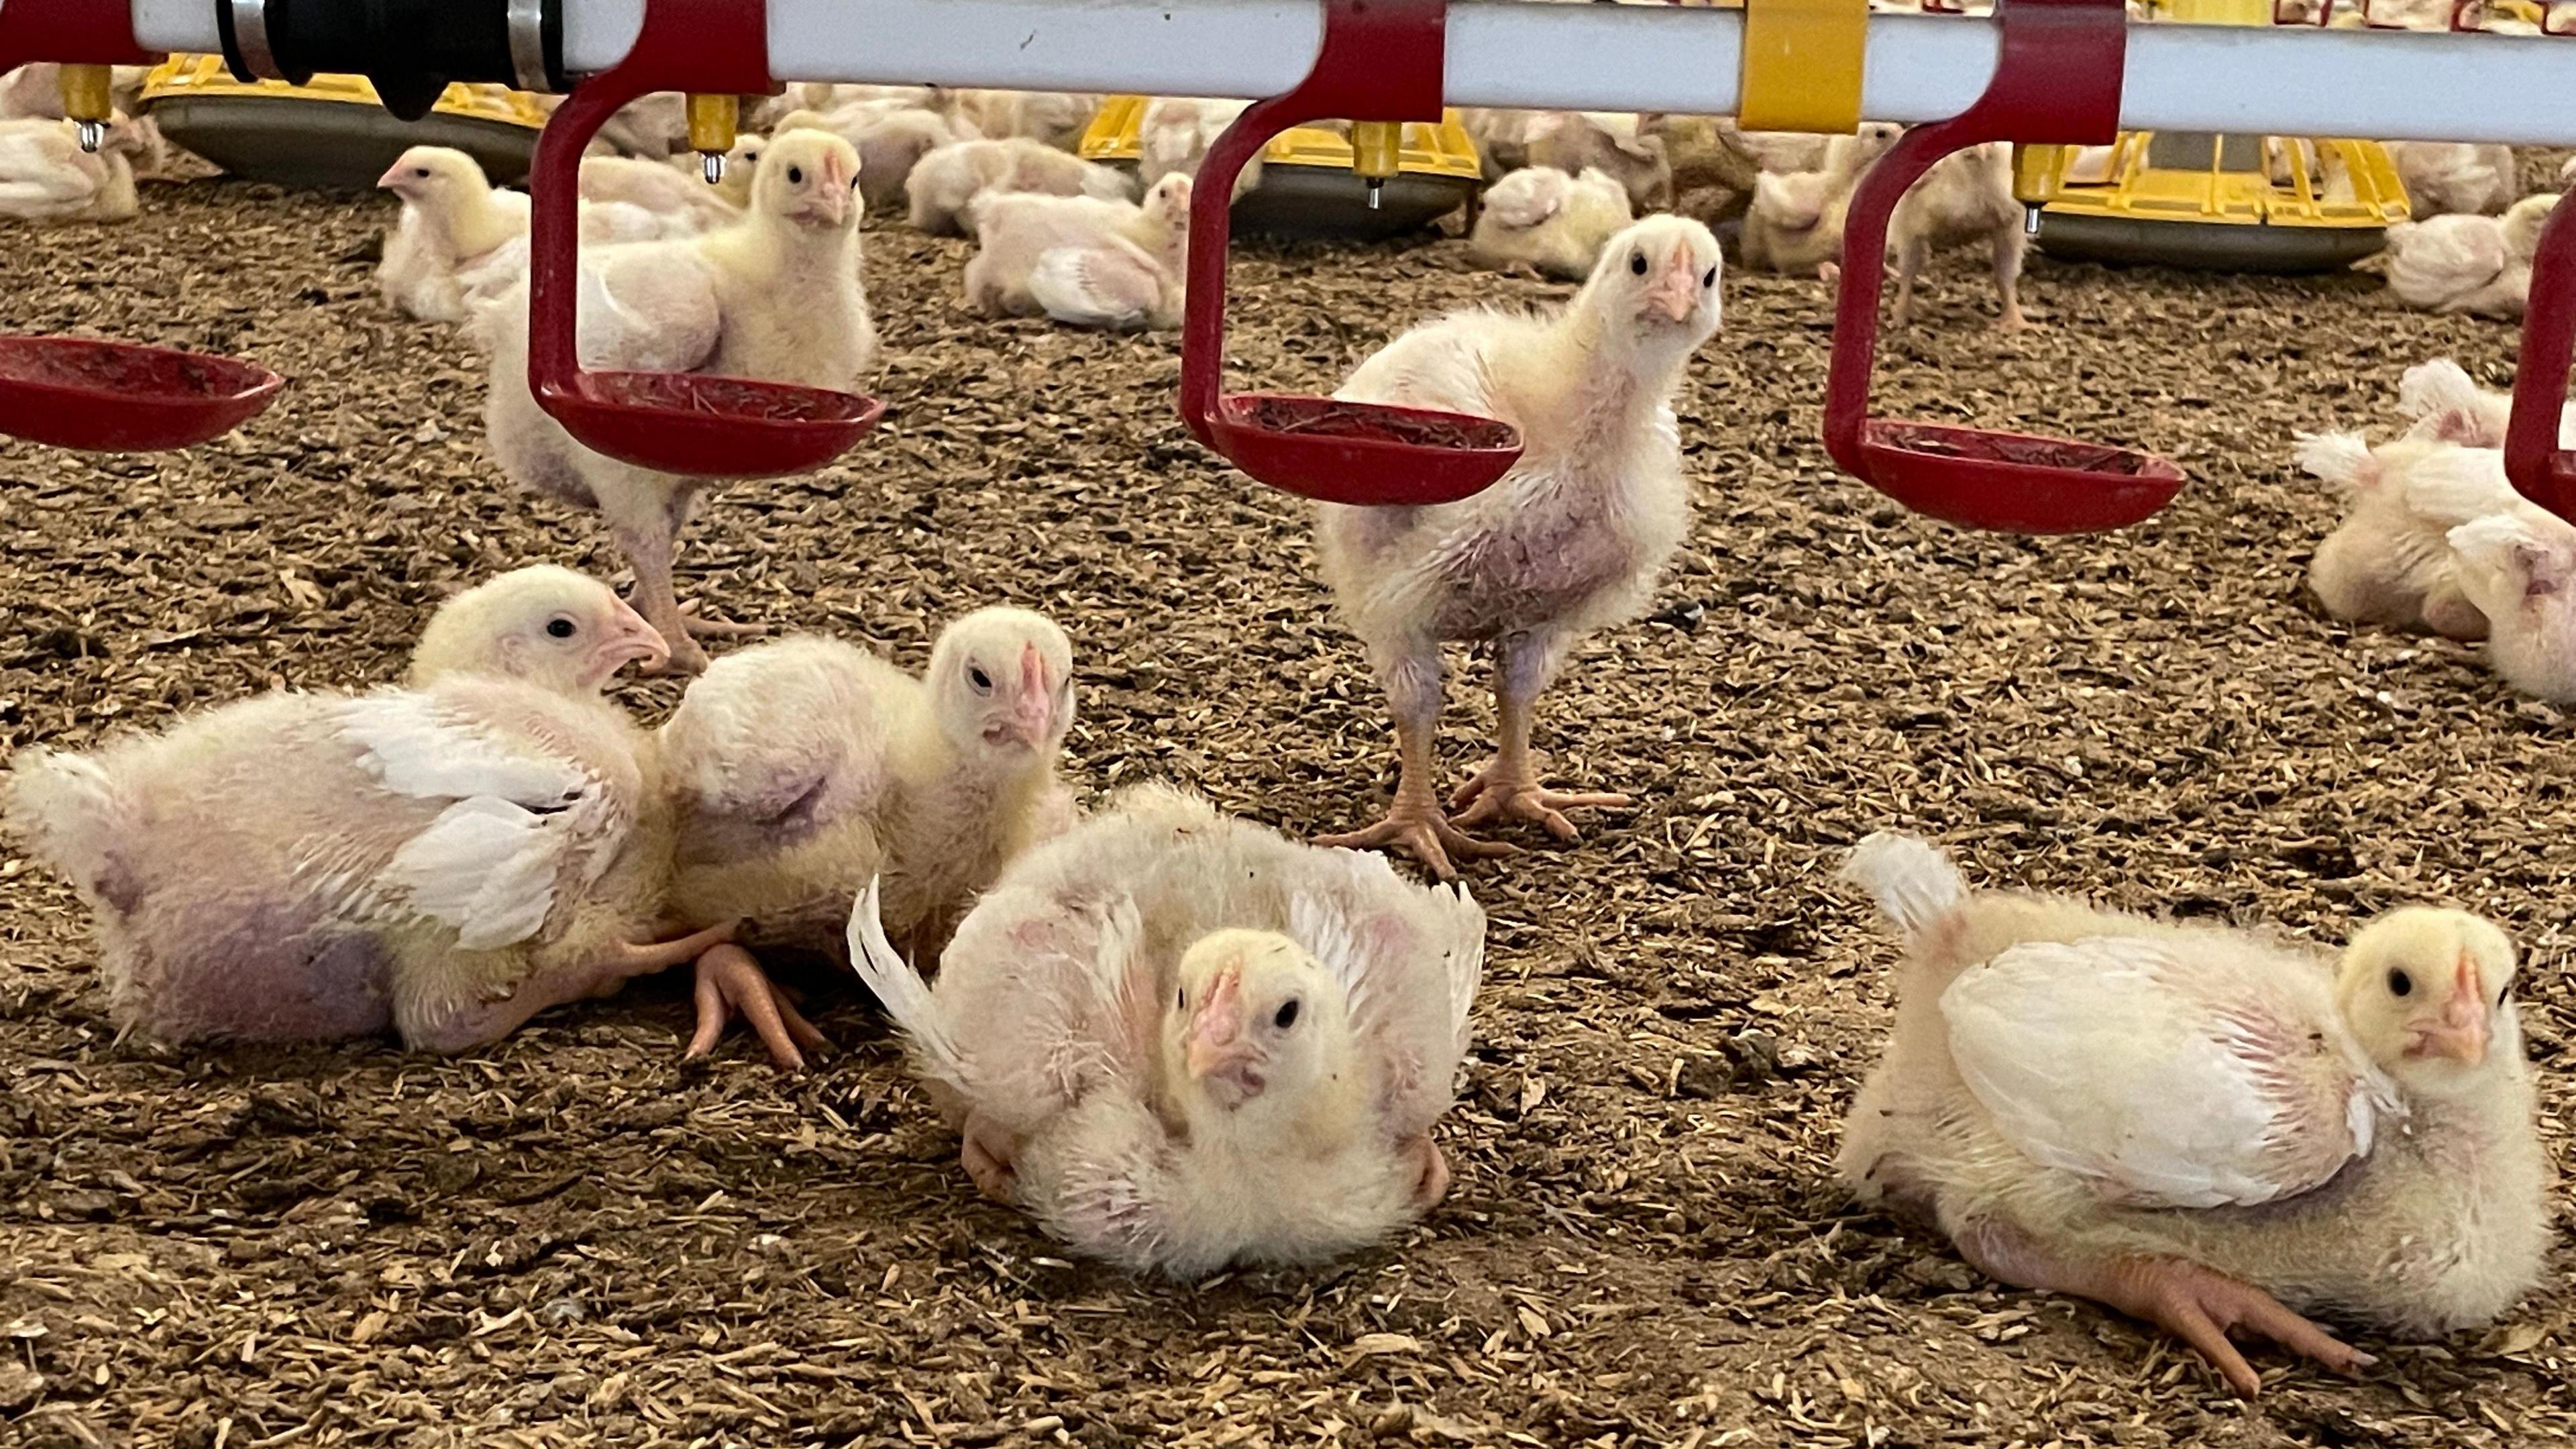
x,y
574,1238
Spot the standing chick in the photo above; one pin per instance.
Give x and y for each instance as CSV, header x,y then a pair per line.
x,y
446,860
1795,224
942,185
1182,1041
804,769
1570,540
2197,1126
1080,260
2475,264
777,298
1966,197
2519,569
1174,134
46,176
1540,217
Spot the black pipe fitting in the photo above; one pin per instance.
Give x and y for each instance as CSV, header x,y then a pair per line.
x,y
410,50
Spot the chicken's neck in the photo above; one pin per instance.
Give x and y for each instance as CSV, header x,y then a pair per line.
x,y
478,224
957,818
1613,397
1303,1125
769,254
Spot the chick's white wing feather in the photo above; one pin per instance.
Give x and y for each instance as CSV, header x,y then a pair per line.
x,y
521,829
1408,962
1109,284
648,307
2165,1073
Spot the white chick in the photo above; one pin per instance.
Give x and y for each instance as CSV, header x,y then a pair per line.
x,y
1570,540
2444,402
2390,561
45,176
1613,144
2519,569
2475,264
2198,1126
2445,178
777,298
1501,137
1181,1041
445,860
1966,197
455,230
1050,118
1080,260
687,201
1175,132
1542,218
803,769
1795,224
944,182
891,139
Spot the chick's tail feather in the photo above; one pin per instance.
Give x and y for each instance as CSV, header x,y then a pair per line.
x,y
70,811
1913,882
901,991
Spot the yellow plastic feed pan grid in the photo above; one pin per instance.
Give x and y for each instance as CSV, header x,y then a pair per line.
x,y
1308,187
331,131
2219,203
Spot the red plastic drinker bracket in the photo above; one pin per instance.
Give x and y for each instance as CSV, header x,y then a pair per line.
x,y
688,423
2541,470
1381,61
2057,82
81,392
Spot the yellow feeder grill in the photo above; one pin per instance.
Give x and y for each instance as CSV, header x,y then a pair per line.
x,y
2214,202
331,132
1311,185
2220,203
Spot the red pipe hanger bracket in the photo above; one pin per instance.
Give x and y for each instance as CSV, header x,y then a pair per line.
x,y
671,422
2056,82
2541,470
83,392
1381,61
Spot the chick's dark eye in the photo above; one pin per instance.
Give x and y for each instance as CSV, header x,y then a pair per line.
x,y
1711,279
1180,998
2400,984
561,628
1637,263
976,676
421,171
795,175
1287,1016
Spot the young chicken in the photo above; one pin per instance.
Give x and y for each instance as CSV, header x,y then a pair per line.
x,y
803,769
2480,265
1050,118
1570,540
2198,1126
943,183
1966,197
46,176
1080,260
1182,1041
1174,134
1540,217
1578,141
2444,178
2443,401
777,297
1795,224
687,204
2390,561
447,860
454,223
2519,569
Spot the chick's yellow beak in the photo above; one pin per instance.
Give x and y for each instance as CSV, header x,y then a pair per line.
x,y
1216,1050
629,640
2462,1032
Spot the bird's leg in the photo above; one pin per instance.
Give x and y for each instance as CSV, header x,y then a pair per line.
x,y
1910,256
2009,249
648,548
1507,788
2195,1304
1433,1182
985,1152
730,980
484,1022
1414,819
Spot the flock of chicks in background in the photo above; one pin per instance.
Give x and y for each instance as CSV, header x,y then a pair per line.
x,y
1181,1040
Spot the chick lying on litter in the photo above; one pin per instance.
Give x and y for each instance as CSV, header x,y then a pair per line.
x,y
1183,1041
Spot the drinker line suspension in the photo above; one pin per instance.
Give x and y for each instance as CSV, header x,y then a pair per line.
x,y
2041,72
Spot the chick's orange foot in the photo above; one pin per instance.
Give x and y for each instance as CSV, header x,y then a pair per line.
x,y
1425,831
699,626
730,981
1498,792
984,1150
2202,1308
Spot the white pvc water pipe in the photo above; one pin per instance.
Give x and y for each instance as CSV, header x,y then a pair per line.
x,y
2284,80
